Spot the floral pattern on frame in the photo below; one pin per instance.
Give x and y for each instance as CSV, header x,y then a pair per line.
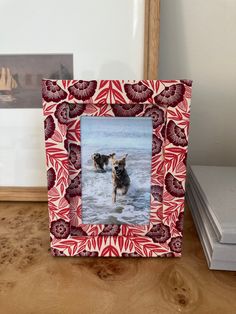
x,y
168,104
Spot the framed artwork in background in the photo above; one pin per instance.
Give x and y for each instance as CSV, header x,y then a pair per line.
x,y
21,76
116,166
139,32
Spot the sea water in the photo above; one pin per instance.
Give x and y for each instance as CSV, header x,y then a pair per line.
x,y
132,136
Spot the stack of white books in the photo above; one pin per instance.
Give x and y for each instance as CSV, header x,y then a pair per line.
x,y
211,196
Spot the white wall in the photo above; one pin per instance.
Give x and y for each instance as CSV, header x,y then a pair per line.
x,y
106,38
198,41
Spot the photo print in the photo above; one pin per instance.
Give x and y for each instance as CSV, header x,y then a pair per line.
x,y
116,170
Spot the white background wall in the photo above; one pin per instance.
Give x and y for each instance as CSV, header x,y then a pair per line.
x,y
106,38
198,41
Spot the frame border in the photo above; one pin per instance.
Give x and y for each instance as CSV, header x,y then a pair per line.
x,y
151,39
64,102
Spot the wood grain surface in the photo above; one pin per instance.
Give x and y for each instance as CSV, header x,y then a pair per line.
x,y
34,282
20,194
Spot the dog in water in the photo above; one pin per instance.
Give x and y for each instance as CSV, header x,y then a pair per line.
x,y
120,177
99,161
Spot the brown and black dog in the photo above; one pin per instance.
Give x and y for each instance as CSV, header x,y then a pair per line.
x,y
99,161
120,177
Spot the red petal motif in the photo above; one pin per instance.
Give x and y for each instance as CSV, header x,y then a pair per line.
x,y
176,135
171,95
51,91
83,90
138,92
174,186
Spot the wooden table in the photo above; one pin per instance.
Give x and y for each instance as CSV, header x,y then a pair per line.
x,y
34,282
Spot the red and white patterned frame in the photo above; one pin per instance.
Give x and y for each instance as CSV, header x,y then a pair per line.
x,y
168,103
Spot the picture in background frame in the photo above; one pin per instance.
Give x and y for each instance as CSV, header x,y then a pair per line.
x,y
21,76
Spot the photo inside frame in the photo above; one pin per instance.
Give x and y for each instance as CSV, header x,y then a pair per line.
x,y
116,170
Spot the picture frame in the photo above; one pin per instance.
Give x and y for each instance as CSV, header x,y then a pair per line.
x,y
140,62
168,105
